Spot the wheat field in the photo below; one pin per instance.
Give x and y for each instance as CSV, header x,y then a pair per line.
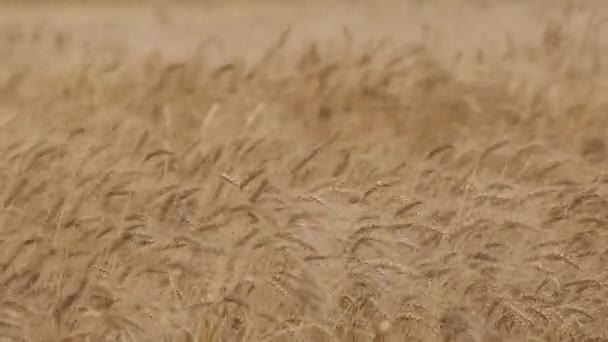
x,y
304,171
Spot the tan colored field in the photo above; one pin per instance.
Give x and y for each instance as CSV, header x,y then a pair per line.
x,y
390,171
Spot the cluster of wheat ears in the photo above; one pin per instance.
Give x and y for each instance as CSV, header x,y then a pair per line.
x,y
340,191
